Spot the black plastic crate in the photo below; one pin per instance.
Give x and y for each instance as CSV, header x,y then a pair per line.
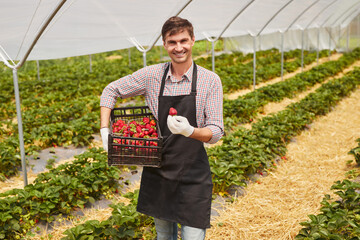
x,y
132,150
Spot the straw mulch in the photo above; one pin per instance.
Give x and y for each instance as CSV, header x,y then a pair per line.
x,y
274,207
236,94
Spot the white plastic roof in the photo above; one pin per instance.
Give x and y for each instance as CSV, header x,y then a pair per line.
x,y
83,27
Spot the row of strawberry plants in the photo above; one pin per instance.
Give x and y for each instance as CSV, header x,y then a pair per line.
x,y
124,223
339,218
241,76
246,107
59,191
77,132
235,57
245,152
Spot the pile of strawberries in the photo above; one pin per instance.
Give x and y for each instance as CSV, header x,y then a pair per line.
x,y
140,129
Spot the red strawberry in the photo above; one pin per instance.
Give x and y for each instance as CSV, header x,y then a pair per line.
x,y
172,112
146,120
153,123
151,130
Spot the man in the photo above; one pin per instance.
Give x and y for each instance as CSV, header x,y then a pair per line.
x,y
181,190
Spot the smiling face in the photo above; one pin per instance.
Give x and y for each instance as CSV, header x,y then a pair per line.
x,y
179,47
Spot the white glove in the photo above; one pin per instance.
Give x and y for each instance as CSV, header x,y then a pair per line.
x,y
179,125
105,137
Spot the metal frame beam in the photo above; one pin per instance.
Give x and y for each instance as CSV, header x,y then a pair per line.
x,y
258,34
213,40
272,18
287,29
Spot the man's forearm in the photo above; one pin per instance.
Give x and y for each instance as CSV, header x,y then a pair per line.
x,y
202,134
104,117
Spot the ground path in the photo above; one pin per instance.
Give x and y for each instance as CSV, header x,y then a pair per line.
x,y
274,207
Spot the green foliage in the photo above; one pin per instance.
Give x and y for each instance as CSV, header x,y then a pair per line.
x,y
59,191
339,219
356,152
124,223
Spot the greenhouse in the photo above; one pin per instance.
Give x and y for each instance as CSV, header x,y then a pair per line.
x,y
286,168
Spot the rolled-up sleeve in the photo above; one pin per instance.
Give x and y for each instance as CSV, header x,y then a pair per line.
x,y
128,86
214,111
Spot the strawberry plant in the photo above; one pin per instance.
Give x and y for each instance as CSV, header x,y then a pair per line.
x,y
356,152
124,223
339,218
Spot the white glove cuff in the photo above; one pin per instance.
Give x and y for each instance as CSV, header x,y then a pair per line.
x,y
104,132
188,131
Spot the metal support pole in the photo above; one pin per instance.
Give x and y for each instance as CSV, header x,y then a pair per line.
x,y
161,52
329,44
38,69
318,46
90,63
339,38
129,57
254,63
213,55
144,58
302,50
20,126
358,32
282,55
347,37
259,42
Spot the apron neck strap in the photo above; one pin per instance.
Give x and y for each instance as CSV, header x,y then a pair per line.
x,y
193,83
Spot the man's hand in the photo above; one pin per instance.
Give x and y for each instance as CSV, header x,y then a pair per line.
x,y
105,137
179,125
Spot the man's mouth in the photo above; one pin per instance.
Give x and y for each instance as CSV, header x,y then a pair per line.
x,y
179,54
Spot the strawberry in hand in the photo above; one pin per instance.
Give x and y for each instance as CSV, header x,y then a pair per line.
x,y
172,112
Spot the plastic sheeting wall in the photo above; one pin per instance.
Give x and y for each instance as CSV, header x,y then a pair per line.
x,y
293,39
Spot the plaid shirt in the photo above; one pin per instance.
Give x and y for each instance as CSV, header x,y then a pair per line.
x,y
147,82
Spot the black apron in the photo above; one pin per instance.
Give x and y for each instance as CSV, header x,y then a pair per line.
x,y
181,190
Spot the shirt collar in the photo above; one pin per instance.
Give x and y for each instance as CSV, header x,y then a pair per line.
x,y
187,76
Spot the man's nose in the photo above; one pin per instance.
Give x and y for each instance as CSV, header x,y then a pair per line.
x,y
178,46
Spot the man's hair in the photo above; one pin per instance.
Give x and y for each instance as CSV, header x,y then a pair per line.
x,y
176,25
